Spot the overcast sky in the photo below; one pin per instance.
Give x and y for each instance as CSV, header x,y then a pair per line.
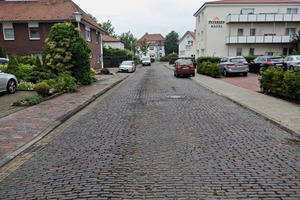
x,y
141,16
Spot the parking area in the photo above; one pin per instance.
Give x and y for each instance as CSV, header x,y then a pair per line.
x,y
250,82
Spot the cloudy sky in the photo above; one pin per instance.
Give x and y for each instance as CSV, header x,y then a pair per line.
x,y
141,16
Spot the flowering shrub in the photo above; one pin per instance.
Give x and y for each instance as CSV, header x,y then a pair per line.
x,y
23,85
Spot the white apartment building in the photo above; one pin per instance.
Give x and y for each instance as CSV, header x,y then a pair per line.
x,y
186,45
156,47
246,27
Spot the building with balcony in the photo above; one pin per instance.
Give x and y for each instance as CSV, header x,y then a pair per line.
x,y
246,27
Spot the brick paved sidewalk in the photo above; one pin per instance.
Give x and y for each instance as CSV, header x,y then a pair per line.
x,y
23,128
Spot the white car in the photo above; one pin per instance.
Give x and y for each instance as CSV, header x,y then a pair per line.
x,y
8,83
127,66
146,61
292,62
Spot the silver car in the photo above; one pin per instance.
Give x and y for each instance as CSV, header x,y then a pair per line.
x,y
8,83
234,65
127,66
292,62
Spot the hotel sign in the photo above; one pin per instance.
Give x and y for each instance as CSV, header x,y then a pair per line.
x,y
216,22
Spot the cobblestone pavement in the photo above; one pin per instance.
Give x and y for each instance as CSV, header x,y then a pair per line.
x,y
161,137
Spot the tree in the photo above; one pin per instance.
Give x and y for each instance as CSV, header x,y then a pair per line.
x,y
296,43
144,47
107,26
93,18
66,52
129,41
171,42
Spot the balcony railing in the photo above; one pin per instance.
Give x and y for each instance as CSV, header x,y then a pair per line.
x,y
263,17
258,39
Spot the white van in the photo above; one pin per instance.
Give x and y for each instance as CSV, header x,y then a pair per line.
x,y
146,60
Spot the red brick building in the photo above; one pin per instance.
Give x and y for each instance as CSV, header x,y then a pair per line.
x,y
24,26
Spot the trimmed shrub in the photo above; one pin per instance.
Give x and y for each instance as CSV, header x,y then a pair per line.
x,y
105,71
209,68
281,83
42,88
172,60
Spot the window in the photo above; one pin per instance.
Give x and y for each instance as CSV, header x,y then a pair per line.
x,y
247,11
8,31
287,51
292,10
151,48
39,55
239,51
251,51
97,37
88,34
33,29
182,53
290,31
188,47
252,31
240,32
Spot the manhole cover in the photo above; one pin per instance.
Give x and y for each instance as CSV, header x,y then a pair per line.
x,y
175,97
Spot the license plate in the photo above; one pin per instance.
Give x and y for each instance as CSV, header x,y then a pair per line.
x,y
278,64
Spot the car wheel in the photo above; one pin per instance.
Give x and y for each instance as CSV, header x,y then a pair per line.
x,y
245,74
292,68
11,86
224,72
193,75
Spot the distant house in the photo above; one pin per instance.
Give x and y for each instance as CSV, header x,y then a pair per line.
x,y
186,45
156,45
112,42
24,26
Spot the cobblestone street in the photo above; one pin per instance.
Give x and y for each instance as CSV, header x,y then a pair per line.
x,y
161,137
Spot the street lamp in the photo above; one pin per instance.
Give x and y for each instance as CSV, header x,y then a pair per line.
x,y
77,18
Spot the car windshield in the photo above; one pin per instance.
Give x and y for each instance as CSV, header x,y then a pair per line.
x,y
275,59
297,57
126,63
237,60
185,62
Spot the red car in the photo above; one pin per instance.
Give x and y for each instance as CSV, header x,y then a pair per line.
x,y
184,67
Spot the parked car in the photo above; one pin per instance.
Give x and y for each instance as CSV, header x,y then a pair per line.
x,y
261,63
4,60
8,83
146,61
127,66
292,62
234,65
184,67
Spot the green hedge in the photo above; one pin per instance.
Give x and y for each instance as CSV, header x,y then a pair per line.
x,y
281,83
209,68
172,60
211,59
